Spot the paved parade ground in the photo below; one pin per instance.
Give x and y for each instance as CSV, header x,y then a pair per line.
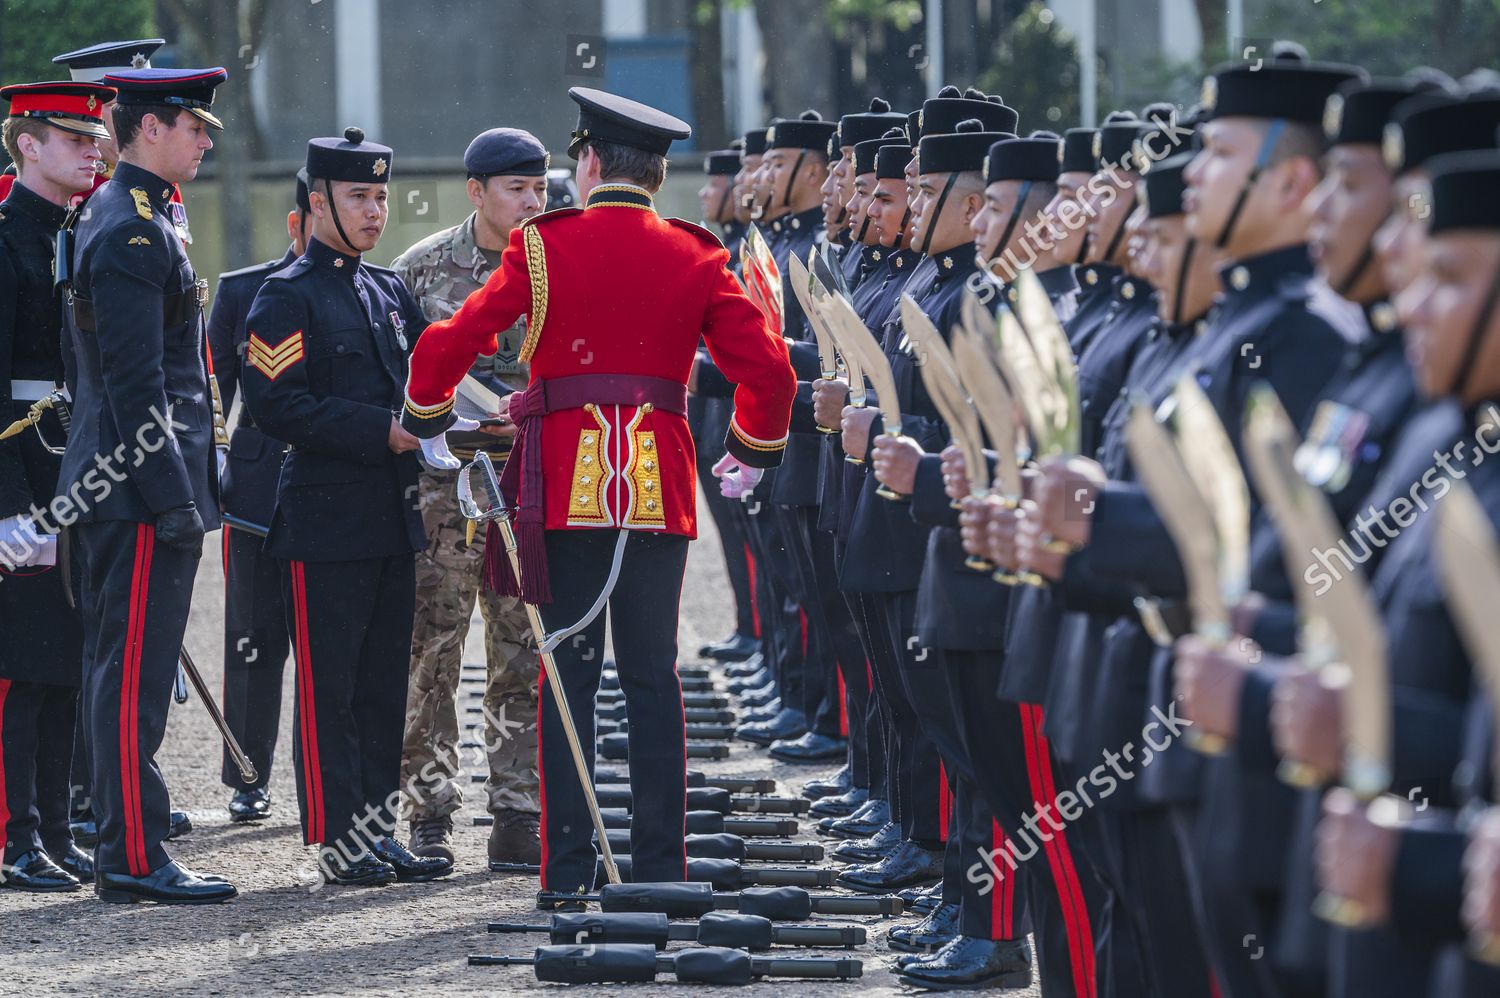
x,y
287,934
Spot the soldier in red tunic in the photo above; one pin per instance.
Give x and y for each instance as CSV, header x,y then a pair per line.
x,y
616,298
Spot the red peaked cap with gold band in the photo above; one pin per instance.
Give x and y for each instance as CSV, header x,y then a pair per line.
x,y
73,107
616,299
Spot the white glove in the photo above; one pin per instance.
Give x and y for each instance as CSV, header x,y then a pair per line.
x,y
435,452
736,480
22,545
221,454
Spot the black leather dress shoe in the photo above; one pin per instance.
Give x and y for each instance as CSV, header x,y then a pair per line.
x,y
907,864
179,825
840,806
753,681
85,831
735,648
75,860
365,871
34,871
755,715
760,697
410,869
840,782
810,748
250,805
171,884
969,963
788,724
749,667
870,850
862,824
927,936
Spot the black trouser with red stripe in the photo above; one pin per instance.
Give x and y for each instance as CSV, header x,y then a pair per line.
x,y
136,595
256,643
913,773
992,903
36,754
351,625
643,612
1012,767
828,713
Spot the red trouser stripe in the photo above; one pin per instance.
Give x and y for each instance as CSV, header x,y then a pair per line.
x,y
4,800
944,802
312,772
1003,897
1059,857
754,597
843,705
541,771
130,690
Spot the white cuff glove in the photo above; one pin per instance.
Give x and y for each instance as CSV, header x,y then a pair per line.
x,y
22,545
435,452
736,480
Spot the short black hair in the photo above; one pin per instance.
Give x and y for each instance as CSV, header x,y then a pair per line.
x,y
127,119
636,166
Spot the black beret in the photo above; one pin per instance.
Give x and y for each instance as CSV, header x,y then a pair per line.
x,y
506,152
1116,140
961,151
1163,185
1432,124
304,203
350,159
1033,158
190,89
1078,151
1463,190
1157,138
941,115
806,131
755,142
612,118
871,124
891,160
1285,86
724,162
1357,113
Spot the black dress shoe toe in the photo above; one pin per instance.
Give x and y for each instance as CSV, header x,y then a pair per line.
x,y
970,964
789,723
810,748
250,805
75,860
749,667
751,682
907,864
365,871
85,831
759,715
869,850
179,825
170,884
840,806
840,782
760,697
34,871
735,648
410,869
862,823
929,935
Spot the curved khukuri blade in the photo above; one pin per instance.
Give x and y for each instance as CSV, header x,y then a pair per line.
x,y
802,290
940,375
762,278
993,401
821,297
1352,619
1468,563
829,271
1050,341
1211,460
1023,372
877,366
1186,514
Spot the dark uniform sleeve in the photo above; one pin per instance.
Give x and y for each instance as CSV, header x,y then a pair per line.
x,y
129,277
1427,884
416,321
930,503
280,396
1255,745
1129,541
221,345
15,490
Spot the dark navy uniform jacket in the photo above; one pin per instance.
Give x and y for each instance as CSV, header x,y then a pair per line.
x,y
142,402
249,482
796,480
326,363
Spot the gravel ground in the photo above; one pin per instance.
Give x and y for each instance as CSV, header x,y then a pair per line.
x,y
283,935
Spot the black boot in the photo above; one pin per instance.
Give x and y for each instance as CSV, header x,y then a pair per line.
x,y
969,963
927,936
410,869
909,863
250,805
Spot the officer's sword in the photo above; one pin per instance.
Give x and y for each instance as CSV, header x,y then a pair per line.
x,y
241,760
498,513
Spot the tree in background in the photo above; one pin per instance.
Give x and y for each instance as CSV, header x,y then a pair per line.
x,y
1035,69
1387,37
55,26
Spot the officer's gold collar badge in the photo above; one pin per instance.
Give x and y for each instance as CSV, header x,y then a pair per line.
x,y
142,202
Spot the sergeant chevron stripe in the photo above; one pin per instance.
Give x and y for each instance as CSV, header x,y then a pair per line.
x,y
271,361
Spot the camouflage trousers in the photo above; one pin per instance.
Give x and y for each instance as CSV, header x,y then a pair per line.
x,y
449,581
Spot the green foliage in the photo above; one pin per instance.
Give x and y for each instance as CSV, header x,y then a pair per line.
x,y
1035,68
37,30
1387,37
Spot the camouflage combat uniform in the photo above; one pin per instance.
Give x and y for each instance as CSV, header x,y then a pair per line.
x,y
441,271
